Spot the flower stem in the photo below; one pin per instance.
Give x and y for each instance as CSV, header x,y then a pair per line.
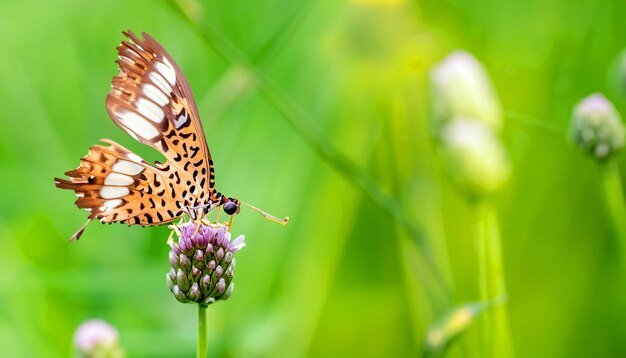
x,y
202,331
614,198
496,338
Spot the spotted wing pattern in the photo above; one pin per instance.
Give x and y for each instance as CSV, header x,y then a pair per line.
x,y
116,185
151,100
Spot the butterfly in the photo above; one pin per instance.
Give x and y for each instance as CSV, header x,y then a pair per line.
x,y
150,100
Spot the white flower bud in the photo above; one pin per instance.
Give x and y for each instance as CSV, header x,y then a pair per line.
x,y
473,156
461,88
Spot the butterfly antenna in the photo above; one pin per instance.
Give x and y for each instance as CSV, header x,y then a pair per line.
x,y
269,217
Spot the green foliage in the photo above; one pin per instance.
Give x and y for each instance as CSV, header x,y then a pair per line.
x,y
318,110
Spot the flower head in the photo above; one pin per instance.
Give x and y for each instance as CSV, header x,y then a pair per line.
x,y
597,127
96,338
461,88
474,156
202,264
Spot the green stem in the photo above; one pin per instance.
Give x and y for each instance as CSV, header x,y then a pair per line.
x,y
483,277
614,198
496,338
202,331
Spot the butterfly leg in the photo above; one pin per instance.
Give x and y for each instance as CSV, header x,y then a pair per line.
x,y
198,224
230,222
219,211
175,229
170,239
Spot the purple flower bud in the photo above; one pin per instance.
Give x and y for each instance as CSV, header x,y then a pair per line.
x,y
206,281
194,292
181,280
221,286
199,255
185,264
237,244
173,258
202,265
195,272
184,243
96,338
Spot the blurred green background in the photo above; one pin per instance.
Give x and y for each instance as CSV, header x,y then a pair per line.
x,y
345,277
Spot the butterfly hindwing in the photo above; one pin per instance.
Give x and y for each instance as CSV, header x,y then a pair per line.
x,y
116,185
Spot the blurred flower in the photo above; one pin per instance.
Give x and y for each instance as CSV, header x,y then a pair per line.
x,y
597,127
202,264
97,339
461,88
454,323
473,155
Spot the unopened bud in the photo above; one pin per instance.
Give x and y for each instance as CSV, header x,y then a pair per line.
x,y
461,88
597,127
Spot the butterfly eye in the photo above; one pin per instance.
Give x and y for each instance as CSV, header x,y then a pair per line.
x,y
230,208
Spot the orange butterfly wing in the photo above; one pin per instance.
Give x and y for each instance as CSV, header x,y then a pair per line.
x,y
150,100
116,185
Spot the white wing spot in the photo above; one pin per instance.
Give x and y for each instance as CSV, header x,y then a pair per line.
x,y
134,157
118,179
167,70
180,120
110,204
149,110
126,167
112,192
154,94
158,80
137,124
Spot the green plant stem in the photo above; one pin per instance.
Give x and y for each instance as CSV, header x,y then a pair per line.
x,y
495,336
202,331
481,248
614,198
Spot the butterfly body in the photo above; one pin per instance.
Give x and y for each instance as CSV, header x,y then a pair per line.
x,y
150,100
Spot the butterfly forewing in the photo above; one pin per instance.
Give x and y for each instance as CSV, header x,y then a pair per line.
x,y
151,100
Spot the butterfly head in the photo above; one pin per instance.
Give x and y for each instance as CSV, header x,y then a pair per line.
x,y
231,206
